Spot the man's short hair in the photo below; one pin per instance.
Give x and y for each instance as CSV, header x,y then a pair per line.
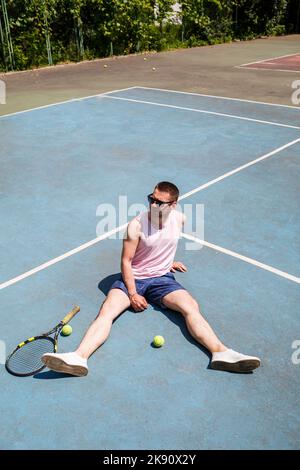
x,y
167,187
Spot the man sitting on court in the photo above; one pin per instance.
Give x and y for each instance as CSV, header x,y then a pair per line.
x,y
147,266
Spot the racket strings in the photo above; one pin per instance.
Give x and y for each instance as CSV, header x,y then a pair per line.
x,y
27,359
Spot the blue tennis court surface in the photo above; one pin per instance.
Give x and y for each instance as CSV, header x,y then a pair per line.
x,y
240,160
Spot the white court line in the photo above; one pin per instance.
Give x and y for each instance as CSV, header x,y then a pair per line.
x,y
270,70
66,101
219,97
118,229
62,257
256,263
96,240
202,111
270,58
240,168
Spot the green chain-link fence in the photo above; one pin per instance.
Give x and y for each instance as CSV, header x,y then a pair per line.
x,y
41,32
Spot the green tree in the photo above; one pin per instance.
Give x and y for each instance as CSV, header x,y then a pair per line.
x,y
35,32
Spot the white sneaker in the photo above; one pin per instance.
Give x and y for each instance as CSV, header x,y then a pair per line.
x,y
234,361
69,363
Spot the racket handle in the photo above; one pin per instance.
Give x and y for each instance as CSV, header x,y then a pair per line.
x,y
70,315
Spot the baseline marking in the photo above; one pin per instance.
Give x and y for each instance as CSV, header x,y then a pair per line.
x,y
63,102
202,111
220,97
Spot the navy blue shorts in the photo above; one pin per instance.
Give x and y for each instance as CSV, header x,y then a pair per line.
x,y
152,288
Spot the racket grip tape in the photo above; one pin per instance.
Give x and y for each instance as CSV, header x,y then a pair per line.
x,y
70,315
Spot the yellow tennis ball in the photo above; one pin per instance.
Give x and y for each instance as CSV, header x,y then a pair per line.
x,y
153,68
105,66
145,58
158,341
67,330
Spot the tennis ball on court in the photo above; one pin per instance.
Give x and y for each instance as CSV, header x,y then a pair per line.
x,y
158,341
67,330
105,66
145,58
153,68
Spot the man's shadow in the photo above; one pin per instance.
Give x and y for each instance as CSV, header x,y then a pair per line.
x,y
176,317
104,286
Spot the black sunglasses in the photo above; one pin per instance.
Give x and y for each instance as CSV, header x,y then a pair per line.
x,y
152,200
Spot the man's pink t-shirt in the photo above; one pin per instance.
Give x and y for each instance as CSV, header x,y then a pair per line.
x,y
156,250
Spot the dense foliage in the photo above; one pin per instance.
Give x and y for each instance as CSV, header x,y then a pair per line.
x,y
40,32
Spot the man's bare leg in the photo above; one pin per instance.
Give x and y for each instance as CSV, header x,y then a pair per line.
x,y
223,358
75,363
115,303
181,301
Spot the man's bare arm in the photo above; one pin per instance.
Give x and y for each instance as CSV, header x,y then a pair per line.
x,y
177,265
130,244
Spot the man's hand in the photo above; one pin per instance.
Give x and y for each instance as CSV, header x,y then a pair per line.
x,y
138,302
177,266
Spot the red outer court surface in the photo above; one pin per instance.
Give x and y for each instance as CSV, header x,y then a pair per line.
x,y
290,63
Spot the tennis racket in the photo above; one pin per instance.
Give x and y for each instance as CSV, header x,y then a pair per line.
x,y
26,360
